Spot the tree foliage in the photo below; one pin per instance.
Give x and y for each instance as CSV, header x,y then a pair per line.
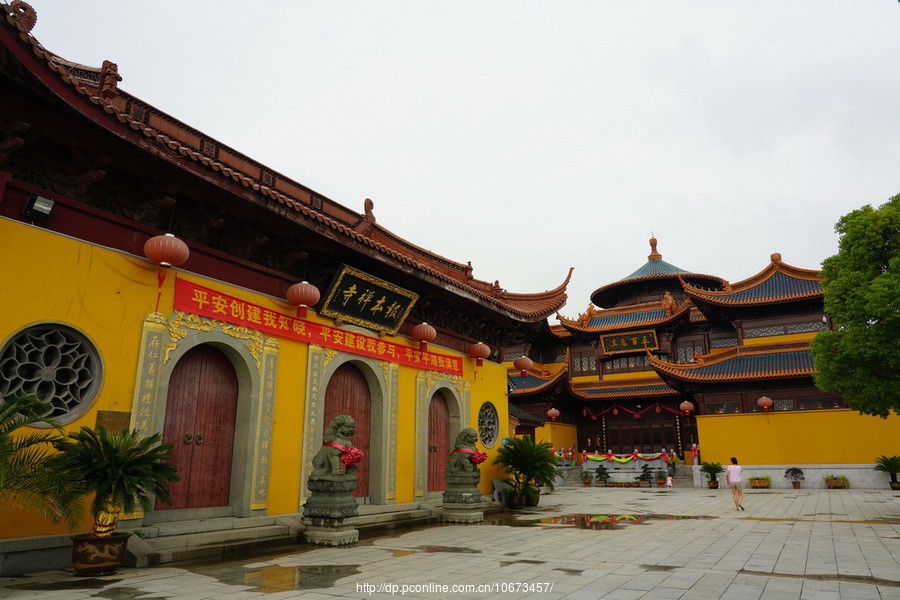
x,y
529,465
860,359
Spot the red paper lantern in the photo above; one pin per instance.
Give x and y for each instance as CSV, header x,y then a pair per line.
x,y
687,407
301,295
166,250
765,403
523,364
552,413
638,416
479,352
424,333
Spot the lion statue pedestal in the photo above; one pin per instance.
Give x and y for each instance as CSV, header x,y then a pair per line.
x,y
462,498
331,513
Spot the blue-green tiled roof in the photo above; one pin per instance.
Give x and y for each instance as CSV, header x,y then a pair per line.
x,y
624,319
778,285
800,360
656,267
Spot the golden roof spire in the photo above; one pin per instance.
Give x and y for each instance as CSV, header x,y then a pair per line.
x,y
654,255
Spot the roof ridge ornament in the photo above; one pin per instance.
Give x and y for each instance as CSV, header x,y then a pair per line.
x,y
654,255
23,15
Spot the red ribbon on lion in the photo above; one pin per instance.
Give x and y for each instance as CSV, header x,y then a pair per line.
x,y
477,456
349,456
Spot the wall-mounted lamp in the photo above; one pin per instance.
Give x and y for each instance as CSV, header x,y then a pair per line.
x,y
38,207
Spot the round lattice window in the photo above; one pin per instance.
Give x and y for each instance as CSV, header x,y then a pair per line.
x,y
488,424
58,363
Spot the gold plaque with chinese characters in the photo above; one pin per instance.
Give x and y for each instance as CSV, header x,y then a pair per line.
x,y
633,341
367,301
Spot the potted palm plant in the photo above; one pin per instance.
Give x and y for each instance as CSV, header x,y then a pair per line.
x,y
712,470
891,466
29,477
529,467
124,471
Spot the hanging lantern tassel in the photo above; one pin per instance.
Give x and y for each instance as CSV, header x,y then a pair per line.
x,y
302,295
523,364
166,251
424,333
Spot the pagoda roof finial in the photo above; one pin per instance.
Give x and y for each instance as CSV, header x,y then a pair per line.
x,y
654,255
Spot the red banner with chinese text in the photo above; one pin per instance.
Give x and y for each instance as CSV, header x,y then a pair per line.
x,y
206,302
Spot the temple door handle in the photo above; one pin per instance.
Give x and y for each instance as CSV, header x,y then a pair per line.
x,y
188,437
198,439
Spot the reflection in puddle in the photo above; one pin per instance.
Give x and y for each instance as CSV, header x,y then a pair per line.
x,y
281,579
585,521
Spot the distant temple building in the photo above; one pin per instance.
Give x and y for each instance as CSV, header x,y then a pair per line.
x,y
657,355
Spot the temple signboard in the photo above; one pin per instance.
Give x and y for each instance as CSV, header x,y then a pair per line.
x,y
362,299
632,341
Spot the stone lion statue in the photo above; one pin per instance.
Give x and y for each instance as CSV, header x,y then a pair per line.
x,y
337,455
465,458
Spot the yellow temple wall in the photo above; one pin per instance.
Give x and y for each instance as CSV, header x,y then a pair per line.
x,y
106,295
799,437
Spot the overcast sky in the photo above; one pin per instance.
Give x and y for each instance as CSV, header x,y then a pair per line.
x,y
528,137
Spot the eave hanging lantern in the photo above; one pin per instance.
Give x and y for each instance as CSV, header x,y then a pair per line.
x,y
166,251
523,364
687,407
765,403
302,295
424,333
479,352
553,413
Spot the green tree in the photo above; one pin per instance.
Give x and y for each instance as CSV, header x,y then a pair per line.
x,y
30,476
860,359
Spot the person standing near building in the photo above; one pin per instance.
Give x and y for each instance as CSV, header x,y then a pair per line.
x,y
733,478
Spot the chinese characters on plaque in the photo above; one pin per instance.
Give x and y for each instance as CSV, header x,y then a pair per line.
x,y
629,342
364,300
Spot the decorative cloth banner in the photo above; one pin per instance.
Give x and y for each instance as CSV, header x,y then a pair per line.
x,y
203,301
624,458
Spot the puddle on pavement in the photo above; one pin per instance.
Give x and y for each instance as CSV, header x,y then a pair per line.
x,y
308,577
569,571
656,568
450,549
607,522
506,563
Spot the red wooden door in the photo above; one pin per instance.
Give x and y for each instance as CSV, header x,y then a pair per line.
x,y
200,420
348,394
438,442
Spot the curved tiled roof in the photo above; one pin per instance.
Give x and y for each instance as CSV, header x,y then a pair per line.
x,y
103,102
615,389
655,269
776,283
649,314
532,382
744,363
